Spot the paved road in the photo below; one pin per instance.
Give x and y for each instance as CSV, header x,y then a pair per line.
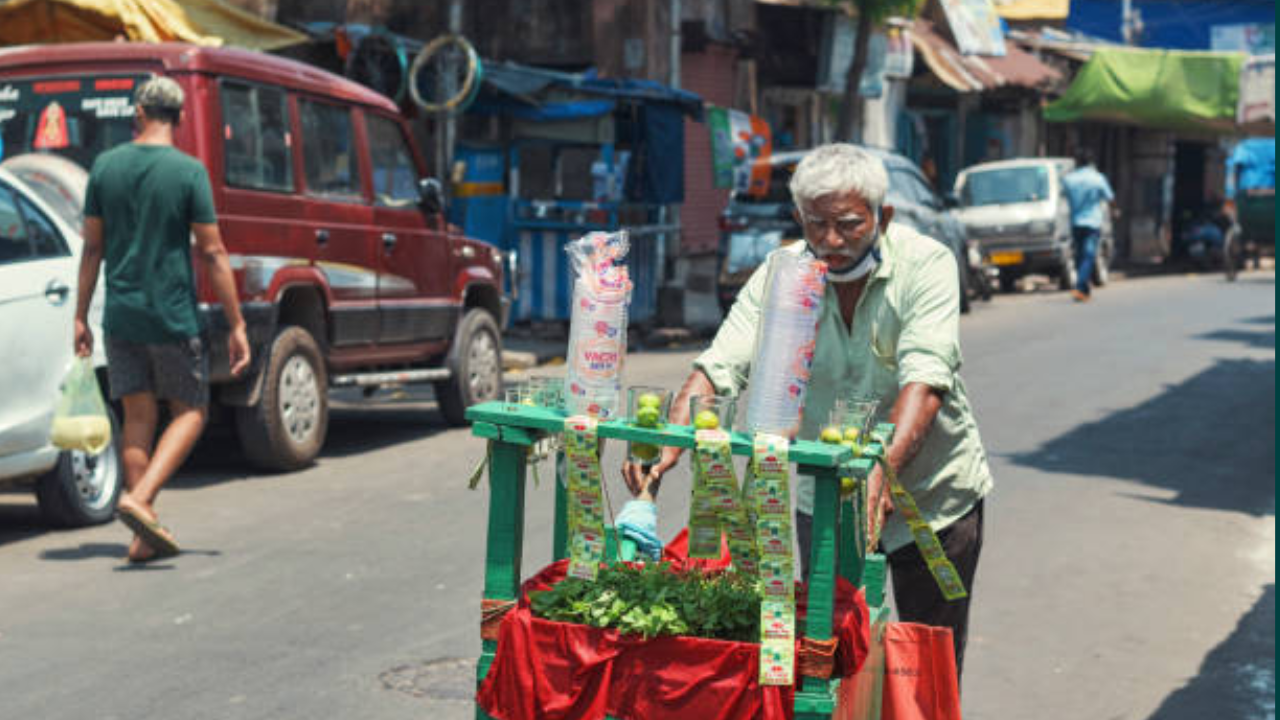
x,y
1129,568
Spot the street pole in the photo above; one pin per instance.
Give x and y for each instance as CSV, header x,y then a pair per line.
x,y
1126,21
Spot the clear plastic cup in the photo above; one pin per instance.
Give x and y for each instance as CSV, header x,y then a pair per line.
x,y
647,407
712,412
518,395
852,417
547,392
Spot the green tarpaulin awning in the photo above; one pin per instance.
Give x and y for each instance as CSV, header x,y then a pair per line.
x,y
1157,89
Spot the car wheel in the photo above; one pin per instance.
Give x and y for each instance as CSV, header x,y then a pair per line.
x,y
1067,274
82,488
286,429
476,365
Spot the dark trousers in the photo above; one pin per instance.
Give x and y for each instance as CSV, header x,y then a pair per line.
x,y
915,592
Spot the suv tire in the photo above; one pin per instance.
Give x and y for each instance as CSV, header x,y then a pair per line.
x,y
476,365
286,429
81,489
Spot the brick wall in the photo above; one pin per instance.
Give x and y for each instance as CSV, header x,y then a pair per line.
x,y
710,74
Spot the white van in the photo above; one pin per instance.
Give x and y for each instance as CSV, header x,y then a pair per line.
x,y
1017,211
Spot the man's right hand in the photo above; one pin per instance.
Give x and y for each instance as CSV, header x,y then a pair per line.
x,y
83,341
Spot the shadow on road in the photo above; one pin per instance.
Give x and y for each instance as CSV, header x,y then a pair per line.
x,y
1237,678
1210,439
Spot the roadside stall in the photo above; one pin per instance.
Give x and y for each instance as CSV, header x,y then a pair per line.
x,y
559,155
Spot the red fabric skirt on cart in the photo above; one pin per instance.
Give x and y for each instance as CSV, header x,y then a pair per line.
x,y
546,670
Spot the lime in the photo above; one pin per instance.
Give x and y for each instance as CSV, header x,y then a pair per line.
x,y
706,420
645,452
848,485
851,433
649,400
831,434
648,416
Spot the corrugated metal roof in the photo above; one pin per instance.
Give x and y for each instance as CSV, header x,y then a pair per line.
x,y
975,73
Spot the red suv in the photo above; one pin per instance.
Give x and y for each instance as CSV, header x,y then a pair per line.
x,y
347,270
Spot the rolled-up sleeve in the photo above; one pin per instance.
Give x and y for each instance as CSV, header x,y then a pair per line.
x,y
929,344
727,363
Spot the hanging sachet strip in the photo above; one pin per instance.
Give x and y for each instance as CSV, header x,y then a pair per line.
x,y
771,491
716,506
586,501
940,566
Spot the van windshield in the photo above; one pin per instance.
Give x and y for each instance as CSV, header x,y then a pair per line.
x,y
1006,185
75,117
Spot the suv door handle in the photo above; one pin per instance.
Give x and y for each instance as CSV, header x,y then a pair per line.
x,y
56,292
388,241
322,236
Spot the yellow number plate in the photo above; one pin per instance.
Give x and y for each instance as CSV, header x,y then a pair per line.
x,y
1009,257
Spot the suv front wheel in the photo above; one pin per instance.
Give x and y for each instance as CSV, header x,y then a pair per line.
x,y
286,429
476,365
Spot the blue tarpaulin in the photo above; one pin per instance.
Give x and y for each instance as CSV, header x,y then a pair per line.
x,y
1255,161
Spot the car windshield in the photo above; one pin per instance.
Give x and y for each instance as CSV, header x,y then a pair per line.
x,y
75,117
1006,185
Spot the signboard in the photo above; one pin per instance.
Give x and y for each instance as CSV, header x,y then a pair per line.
x,y
975,26
889,56
738,142
1253,39
1257,92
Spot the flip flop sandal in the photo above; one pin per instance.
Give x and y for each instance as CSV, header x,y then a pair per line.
x,y
151,532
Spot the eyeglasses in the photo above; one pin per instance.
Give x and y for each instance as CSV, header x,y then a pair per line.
x,y
846,227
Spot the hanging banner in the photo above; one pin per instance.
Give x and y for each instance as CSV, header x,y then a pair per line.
x,y
740,146
975,26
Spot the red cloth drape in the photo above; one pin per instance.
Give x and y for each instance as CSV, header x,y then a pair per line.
x,y
546,670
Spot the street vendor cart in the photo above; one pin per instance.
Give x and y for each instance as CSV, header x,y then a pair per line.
x,y
839,561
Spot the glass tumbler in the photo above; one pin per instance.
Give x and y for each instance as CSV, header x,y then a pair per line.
x,y
647,407
712,412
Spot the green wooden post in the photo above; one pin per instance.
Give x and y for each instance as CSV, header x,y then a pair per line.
x,y
505,546
560,531
848,549
813,696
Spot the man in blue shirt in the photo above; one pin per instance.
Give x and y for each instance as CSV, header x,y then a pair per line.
x,y
1087,192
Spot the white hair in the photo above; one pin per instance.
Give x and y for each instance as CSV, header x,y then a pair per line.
x,y
840,168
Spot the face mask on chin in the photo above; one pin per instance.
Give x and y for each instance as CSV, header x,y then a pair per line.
x,y
868,262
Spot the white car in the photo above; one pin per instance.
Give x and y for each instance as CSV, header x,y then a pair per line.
x,y
40,243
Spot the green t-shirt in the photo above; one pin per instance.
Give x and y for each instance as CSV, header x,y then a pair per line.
x,y
147,197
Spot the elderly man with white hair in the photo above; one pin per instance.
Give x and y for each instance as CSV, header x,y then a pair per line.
x,y
889,329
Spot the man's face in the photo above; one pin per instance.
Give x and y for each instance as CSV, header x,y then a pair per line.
x,y
840,227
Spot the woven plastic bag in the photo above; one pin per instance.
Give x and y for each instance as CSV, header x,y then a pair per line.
x,y
81,421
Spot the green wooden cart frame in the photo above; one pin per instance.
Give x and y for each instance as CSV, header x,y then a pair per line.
x,y
513,429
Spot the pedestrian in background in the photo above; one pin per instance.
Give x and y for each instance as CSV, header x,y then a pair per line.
x,y
145,201
1088,192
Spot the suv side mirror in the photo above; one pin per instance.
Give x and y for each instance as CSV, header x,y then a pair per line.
x,y
431,195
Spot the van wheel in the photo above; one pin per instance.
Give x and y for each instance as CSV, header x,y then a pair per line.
x,y
1008,282
476,365
1067,274
82,488
286,429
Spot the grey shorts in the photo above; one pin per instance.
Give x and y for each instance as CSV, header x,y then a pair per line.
x,y
177,370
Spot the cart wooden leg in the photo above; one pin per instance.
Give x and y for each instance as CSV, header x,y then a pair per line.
x,y
505,545
560,532
814,698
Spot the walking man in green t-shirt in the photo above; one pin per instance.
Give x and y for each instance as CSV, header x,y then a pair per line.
x,y
145,200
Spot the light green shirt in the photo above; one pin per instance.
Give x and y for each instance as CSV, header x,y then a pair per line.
x,y
905,329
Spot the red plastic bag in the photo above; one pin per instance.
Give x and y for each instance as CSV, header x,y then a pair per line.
x,y
920,673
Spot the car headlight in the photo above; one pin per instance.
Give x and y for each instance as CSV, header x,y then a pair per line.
x,y
1040,227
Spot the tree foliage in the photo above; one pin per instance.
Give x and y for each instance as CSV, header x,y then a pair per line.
x,y
868,15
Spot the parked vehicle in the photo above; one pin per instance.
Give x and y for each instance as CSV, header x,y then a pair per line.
x,y
752,226
1019,214
347,271
39,263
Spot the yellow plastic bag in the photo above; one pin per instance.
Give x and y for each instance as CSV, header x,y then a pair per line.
x,y
81,421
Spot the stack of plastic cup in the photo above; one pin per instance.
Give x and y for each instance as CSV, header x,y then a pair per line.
x,y
597,325
785,343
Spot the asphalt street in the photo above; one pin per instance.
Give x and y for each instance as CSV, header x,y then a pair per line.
x,y
1128,570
